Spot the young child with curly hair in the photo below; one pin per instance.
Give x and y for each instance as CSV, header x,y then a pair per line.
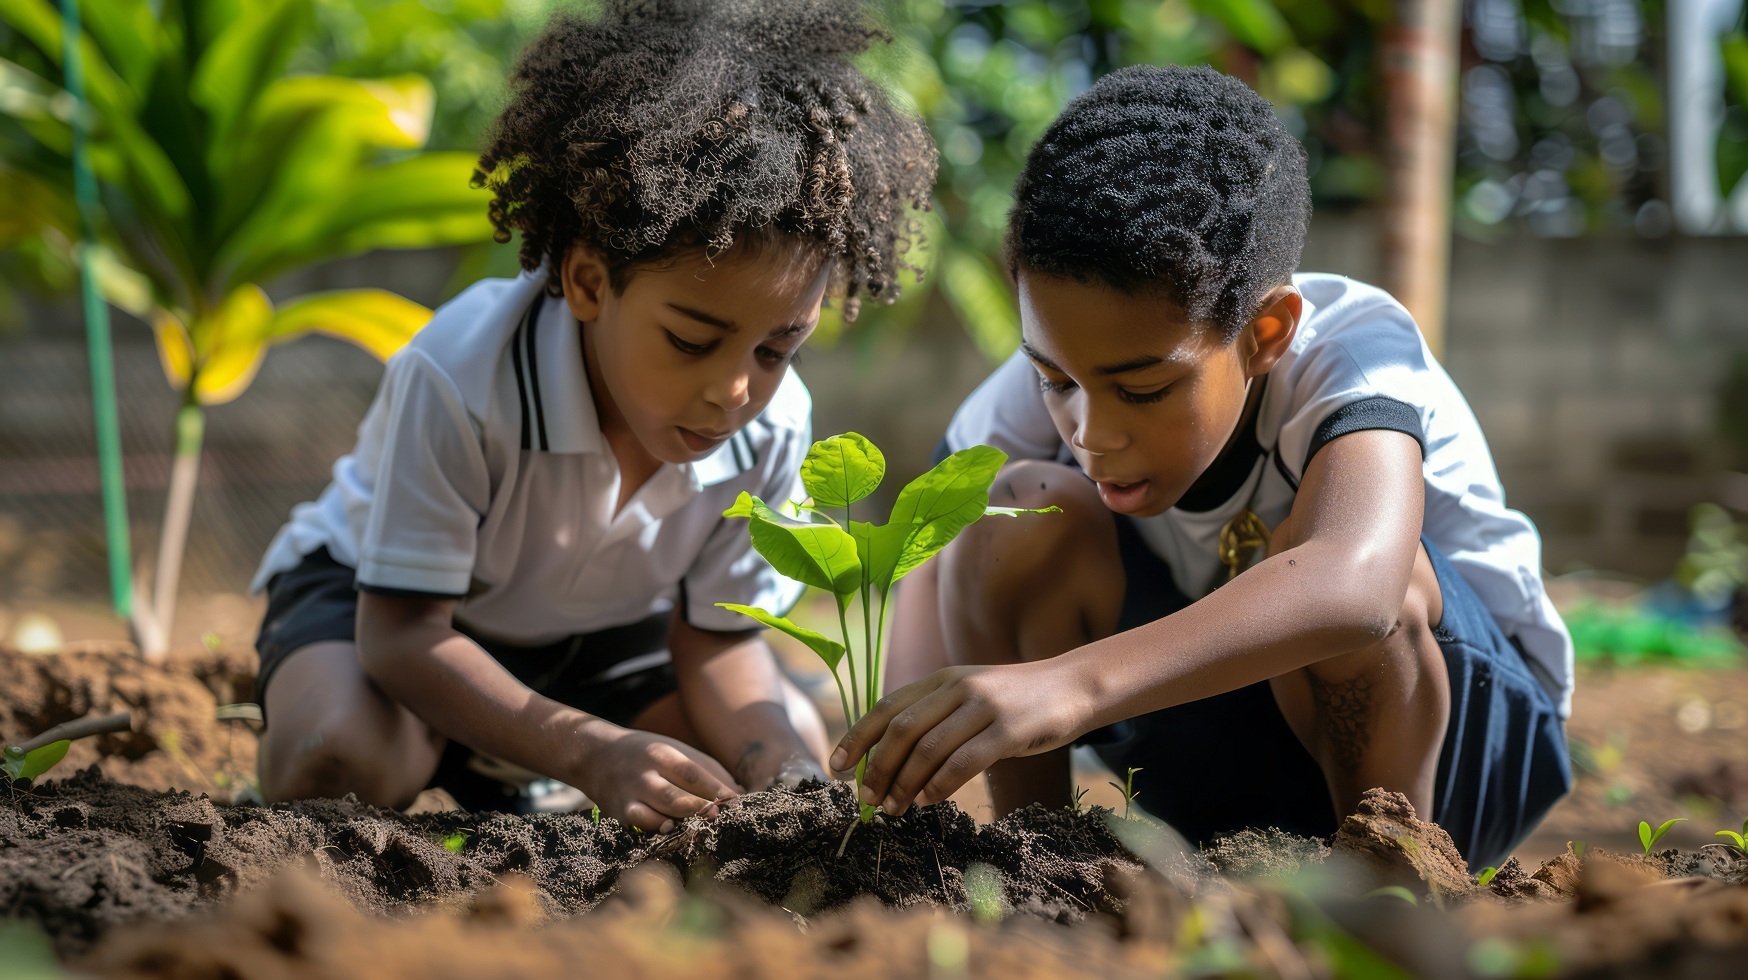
x,y
1284,572
517,566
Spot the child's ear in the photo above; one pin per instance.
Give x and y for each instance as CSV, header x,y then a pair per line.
x,y
1271,331
586,282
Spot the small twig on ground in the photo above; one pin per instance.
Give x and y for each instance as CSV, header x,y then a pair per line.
x,y
1077,899
81,728
847,832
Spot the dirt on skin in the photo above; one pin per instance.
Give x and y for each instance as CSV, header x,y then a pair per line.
x,y
177,741
85,855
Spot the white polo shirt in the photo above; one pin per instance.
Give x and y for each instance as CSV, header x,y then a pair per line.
x,y
481,475
1357,362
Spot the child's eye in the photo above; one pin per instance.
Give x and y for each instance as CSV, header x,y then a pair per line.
x,y
774,357
1143,397
686,346
1052,387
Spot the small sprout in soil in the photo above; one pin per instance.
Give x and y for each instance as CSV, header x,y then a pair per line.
x,y
595,815
983,891
1394,891
1649,837
1485,876
858,560
455,842
1738,841
1077,805
212,641
1129,792
1577,849
19,764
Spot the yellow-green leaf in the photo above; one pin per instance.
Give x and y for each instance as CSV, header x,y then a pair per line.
x,y
249,52
377,320
829,650
229,344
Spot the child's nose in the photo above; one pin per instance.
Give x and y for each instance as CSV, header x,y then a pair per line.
x,y
730,393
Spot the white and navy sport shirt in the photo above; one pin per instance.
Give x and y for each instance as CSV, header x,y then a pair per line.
x,y
1357,362
481,475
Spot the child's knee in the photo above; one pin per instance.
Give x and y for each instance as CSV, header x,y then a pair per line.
x,y
327,761
1002,554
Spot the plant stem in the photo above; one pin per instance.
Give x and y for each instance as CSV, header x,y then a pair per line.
x,y
849,652
178,508
879,650
81,728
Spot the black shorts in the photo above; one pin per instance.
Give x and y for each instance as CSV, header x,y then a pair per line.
x,y
613,674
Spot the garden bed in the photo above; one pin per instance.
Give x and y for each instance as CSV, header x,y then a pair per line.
x,y
101,866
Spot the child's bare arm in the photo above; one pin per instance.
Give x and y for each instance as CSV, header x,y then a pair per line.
x,y
410,649
734,697
1357,517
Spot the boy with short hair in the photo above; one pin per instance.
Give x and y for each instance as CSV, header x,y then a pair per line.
x,y
522,556
1285,572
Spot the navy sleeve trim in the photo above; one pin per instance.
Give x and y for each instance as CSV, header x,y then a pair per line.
x,y
1377,412
407,593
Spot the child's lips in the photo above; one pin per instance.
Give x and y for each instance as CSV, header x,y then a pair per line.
x,y
700,441
1123,497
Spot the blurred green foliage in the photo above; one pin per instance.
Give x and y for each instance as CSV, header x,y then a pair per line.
x,y
1630,635
1560,124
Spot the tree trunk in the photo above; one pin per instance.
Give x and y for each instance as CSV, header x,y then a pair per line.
x,y
154,620
1420,78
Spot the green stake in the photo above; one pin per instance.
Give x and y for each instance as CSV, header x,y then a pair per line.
x,y
97,326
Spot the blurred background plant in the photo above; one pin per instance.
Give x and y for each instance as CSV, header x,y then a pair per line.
x,y
218,172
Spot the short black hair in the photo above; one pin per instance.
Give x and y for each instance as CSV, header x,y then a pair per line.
x,y
659,125
1173,180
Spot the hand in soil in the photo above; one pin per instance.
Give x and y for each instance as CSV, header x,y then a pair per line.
x,y
929,738
650,782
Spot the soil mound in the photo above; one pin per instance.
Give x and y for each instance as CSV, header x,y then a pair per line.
x,y
85,855
177,742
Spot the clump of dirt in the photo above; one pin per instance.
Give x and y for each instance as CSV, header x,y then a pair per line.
x,y
1385,841
1269,853
177,741
85,855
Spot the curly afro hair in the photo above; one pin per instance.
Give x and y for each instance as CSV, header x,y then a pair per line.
x,y
663,125
1176,181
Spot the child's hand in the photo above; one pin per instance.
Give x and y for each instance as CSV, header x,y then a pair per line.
x,y
651,782
929,738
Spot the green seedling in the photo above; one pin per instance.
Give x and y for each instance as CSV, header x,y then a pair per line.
x,y
1738,841
1394,891
19,764
595,815
1485,876
856,560
1577,848
1649,837
1077,804
42,753
1128,791
455,842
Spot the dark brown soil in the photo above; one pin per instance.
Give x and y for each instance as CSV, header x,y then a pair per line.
x,y
87,854
177,741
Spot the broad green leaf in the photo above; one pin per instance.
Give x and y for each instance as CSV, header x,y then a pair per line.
x,y
375,319
1740,841
829,650
820,555
293,178
842,470
244,58
222,351
155,179
424,202
944,501
29,765
879,546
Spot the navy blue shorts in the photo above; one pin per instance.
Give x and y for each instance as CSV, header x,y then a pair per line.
x,y
1228,762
